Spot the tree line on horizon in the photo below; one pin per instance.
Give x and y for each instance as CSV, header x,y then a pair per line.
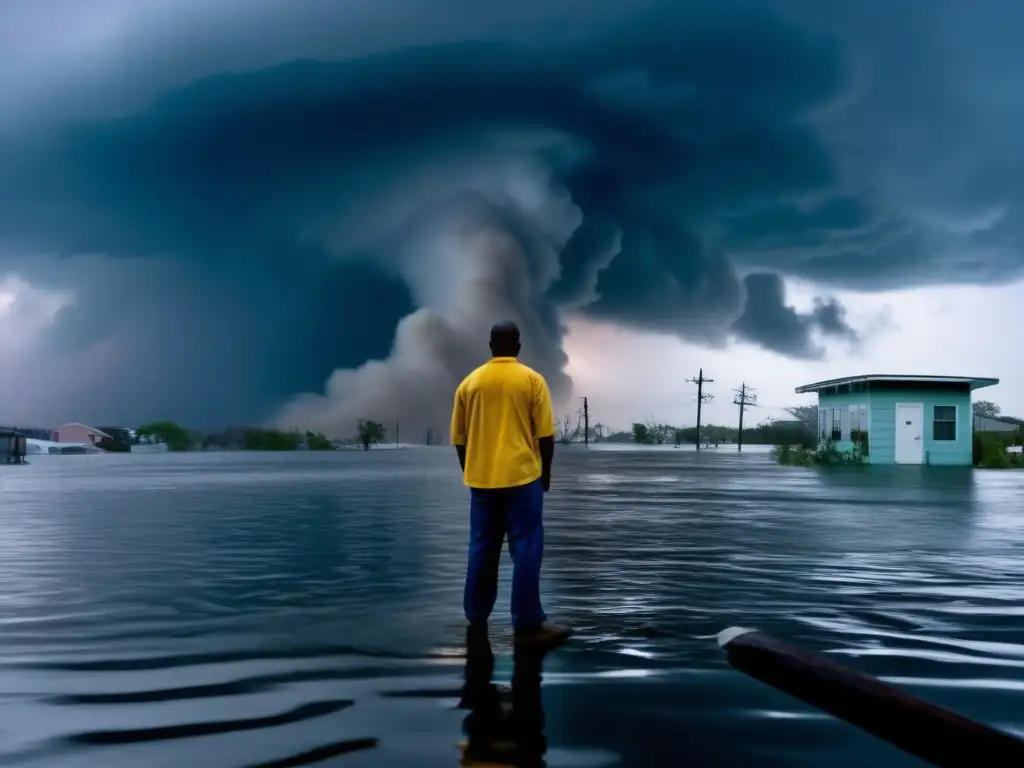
x,y
767,433
801,430
178,438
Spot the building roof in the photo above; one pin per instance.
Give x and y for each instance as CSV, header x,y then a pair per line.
x,y
86,426
989,424
974,381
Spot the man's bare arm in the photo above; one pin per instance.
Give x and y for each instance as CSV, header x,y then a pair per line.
x,y
458,431
547,453
542,416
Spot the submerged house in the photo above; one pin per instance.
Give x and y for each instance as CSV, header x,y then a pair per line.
x,y
79,433
903,419
38,447
13,446
119,441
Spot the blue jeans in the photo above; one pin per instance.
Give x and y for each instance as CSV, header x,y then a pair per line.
x,y
493,513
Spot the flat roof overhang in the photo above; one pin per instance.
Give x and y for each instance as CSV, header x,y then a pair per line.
x,y
975,382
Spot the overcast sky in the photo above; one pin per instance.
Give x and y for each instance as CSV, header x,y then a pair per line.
x,y
306,213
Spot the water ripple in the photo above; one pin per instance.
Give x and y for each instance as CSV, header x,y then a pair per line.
x,y
273,611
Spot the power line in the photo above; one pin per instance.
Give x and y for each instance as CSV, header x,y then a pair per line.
x,y
745,397
702,397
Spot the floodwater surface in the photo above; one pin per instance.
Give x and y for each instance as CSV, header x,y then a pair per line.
x,y
245,610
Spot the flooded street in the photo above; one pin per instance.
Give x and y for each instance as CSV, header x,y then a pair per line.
x,y
246,610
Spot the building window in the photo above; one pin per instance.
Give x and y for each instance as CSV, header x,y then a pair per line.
x,y
858,423
837,425
822,424
944,422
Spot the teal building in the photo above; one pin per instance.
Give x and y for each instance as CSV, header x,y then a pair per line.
x,y
903,419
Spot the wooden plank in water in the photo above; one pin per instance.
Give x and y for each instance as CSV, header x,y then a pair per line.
x,y
919,728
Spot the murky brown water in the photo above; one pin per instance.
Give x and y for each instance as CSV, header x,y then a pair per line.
x,y
275,610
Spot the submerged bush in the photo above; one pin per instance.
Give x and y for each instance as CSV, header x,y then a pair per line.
x,y
989,451
824,453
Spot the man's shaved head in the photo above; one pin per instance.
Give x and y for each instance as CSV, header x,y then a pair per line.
x,y
505,339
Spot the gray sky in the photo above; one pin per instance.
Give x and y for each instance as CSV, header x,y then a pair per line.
x,y
219,213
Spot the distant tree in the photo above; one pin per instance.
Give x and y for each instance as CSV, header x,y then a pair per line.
x,y
805,413
782,433
176,437
641,433
231,438
318,442
986,409
687,434
370,432
658,433
119,441
566,433
259,439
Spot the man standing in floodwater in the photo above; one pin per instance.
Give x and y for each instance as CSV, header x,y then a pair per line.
x,y
503,428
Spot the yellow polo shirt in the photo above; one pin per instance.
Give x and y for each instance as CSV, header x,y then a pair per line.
x,y
501,410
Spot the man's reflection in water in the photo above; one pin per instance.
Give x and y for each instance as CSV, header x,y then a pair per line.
x,y
503,728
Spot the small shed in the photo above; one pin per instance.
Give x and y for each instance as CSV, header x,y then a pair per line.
x,y
903,419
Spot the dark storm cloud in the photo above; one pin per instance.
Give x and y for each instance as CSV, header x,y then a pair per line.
x,y
768,321
927,144
656,165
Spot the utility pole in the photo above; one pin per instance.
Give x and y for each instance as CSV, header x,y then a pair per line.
x,y
702,397
396,433
744,396
586,422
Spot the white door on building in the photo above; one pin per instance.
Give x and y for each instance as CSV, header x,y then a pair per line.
x,y
909,433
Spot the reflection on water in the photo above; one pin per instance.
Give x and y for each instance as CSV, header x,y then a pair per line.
x,y
269,610
503,727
